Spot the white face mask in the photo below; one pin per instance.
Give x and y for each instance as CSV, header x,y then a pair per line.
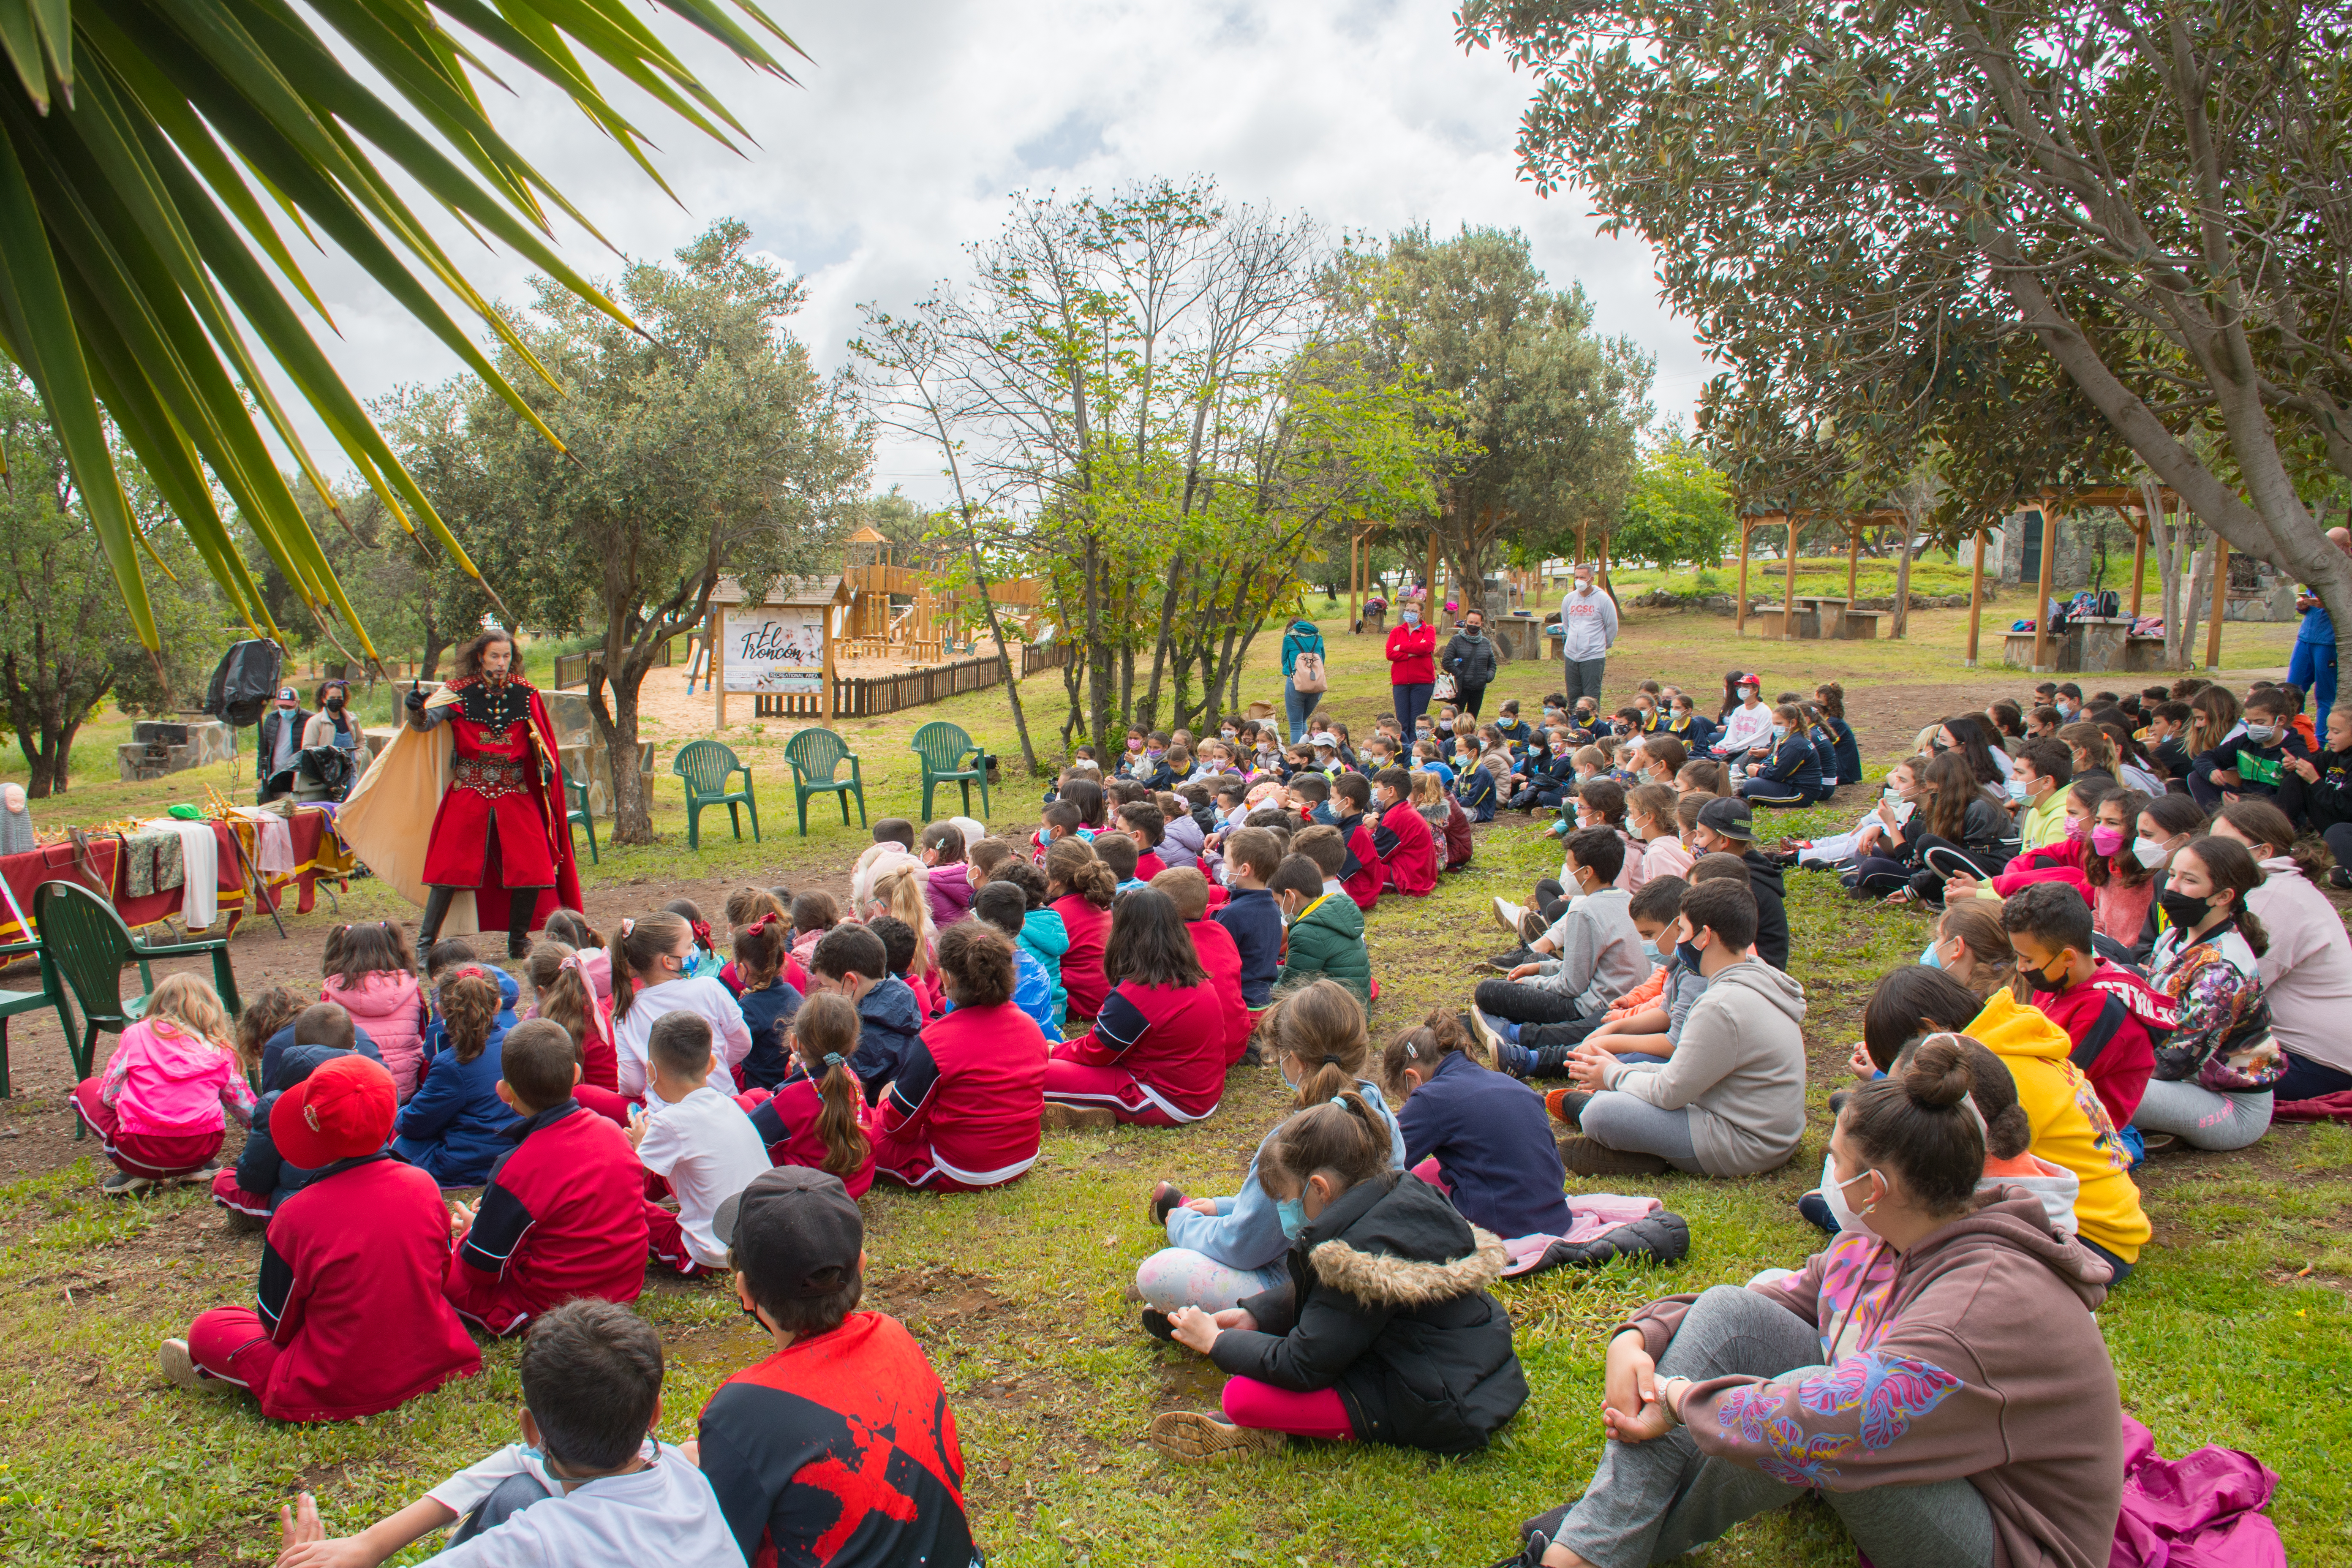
x,y
2150,852
1833,1191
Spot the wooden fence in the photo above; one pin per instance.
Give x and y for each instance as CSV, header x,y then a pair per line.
x,y
571,668
866,696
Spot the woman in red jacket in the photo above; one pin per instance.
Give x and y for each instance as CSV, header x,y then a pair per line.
x,y
1156,1055
1412,667
1078,888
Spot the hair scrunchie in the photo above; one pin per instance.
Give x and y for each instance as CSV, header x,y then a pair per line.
x,y
833,1058
628,924
762,923
701,929
1330,1059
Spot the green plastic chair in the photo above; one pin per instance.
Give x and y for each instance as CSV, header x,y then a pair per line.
x,y
816,756
52,993
945,750
87,942
580,816
704,767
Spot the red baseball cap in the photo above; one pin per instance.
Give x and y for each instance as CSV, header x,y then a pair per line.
x,y
343,1110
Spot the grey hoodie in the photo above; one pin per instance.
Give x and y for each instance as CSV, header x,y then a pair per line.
x,y
1587,623
1600,951
1740,1068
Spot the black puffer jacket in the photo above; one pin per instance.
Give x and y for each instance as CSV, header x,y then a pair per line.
x,y
1388,1303
1469,661
1772,910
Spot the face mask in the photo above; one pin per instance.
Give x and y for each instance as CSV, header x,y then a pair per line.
x,y
1288,1082
2015,789
1409,618
2067,710
1134,745
1584,585
1689,954
1748,694
1292,1212
1833,1194
2053,982
1932,954
1891,796
1650,952
2150,852
2106,839
2073,828
1779,731
2182,911
2261,734
1226,735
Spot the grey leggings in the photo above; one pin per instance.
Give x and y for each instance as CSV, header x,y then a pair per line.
x,y
2200,1117
1652,1501
1630,1125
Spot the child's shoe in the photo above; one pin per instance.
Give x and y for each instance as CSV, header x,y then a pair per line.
x,y
1567,1105
1506,962
179,1368
124,1184
1508,914
1184,1434
237,1222
1060,1118
1158,1324
1584,1157
1165,1200
1500,1050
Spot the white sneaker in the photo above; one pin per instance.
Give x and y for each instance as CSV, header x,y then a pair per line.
x,y
1509,915
179,1367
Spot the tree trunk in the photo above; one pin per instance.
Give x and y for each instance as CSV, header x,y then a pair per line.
x,y
2198,585
48,763
1004,654
1902,623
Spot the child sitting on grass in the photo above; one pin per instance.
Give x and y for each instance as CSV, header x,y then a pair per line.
x,y
695,1138
372,975
814,914
651,959
1360,872
852,962
1221,959
161,1107
1402,839
589,1483
564,1215
1043,936
839,1445
817,1117
745,905
1326,935
1384,1331
1643,1023
562,994
705,962
1222,1249
947,881
1080,887
767,999
964,1111
1120,853
455,1128
348,1317
1003,906
261,1179
1155,1055
1476,1135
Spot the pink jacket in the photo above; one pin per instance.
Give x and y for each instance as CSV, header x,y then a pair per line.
x,y
165,1081
949,889
390,1006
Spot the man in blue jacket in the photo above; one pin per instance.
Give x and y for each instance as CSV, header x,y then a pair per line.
x,y
2311,665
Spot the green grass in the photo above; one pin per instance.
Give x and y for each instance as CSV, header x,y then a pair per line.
x,y
2235,1331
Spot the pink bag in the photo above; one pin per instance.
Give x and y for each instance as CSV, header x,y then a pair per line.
x,y
2201,1511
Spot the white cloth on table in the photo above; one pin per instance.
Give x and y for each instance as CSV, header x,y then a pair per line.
x,y
200,853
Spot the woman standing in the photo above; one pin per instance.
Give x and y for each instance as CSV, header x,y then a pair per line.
x,y
1412,673
1303,637
1470,660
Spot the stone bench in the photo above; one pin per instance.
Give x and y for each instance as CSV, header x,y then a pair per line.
x,y
163,746
1859,625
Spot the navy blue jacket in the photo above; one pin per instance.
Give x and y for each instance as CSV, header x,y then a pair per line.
x,y
1477,792
261,1170
437,1032
888,1024
1793,766
273,1053
456,1124
768,1013
1494,1146
1849,751
1254,921
1825,758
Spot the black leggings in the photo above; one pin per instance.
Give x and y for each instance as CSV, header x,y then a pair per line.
x,y
1466,700
1522,1004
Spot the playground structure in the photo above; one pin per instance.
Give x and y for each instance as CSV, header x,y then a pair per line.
x,y
926,628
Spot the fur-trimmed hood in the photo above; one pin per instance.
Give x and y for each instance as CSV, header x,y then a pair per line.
x,y
1401,1246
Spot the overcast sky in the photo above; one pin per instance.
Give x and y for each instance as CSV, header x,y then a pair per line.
x,y
914,120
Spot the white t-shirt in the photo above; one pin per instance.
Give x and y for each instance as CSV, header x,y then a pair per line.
x,y
709,1151
730,1038
666,1513
1745,728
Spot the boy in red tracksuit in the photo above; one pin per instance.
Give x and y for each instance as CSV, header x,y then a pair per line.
x,y
1156,1054
2111,1016
1403,841
351,1319
1214,947
1360,874
963,1112
564,1215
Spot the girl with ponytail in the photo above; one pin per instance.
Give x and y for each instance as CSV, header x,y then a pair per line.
x,y
1383,1328
1479,1136
1078,888
1222,1249
964,1104
814,1117
454,1126
653,959
1965,1410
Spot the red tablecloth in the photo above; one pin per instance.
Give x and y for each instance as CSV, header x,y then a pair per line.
x,y
318,854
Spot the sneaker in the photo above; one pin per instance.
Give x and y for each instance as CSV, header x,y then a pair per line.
x,y
1184,1434
1584,1157
1531,926
1060,1118
179,1368
1837,1096
1815,1211
2156,1143
1567,1105
237,1222
1506,962
1164,1199
124,1184
2339,877
1508,914
1156,1324
1499,1049
1251,1056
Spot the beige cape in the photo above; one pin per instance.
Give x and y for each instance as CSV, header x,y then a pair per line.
x,y
388,820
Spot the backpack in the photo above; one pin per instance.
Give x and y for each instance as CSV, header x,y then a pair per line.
x,y
2110,604
244,682
1307,677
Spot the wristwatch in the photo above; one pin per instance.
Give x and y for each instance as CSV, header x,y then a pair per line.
x,y
1668,1397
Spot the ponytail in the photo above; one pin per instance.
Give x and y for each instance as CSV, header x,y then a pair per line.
x,y
761,949
1072,863
639,944
469,1006
559,990
1424,1049
1341,1136
825,1036
1322,1025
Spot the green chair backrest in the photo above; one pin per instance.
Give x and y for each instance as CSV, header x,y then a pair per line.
x,y
942,745
89,943
817,754
705,764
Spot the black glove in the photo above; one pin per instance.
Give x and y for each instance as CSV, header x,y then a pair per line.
x,y
414,701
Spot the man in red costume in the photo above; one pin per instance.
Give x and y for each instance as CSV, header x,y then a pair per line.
x,y
500,833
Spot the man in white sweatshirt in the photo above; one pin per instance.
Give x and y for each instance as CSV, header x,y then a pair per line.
x,y
1588,625
1730,1102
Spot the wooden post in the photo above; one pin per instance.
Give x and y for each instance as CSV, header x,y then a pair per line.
x,y
718,673
1975,597
2221,601
2139,559
824,697
1739,606
1355,569
1789,586
2042,656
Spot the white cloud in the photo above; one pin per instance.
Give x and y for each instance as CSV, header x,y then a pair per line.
x,y
916,119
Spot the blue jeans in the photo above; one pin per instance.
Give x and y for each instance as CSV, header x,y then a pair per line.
x,y
2312,666
1411,703
1297,707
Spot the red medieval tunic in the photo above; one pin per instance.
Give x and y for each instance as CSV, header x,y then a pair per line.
x,y
502,822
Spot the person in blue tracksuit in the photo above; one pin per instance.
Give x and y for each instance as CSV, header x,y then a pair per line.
x,y
1792,774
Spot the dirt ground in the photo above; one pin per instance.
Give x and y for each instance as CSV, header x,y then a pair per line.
x,y
666,713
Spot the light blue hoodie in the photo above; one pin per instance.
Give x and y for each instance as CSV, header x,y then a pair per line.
x,y
1046,939
1245,1232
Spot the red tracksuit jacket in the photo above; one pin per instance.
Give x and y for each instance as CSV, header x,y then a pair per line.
x,y
350,1293
1082,967
1411,865
563,1216
973,1087
786,1121
1214,945
1171,1038
2115,1021
1360,874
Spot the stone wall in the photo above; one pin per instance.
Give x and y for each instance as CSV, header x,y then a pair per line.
x,y
158,747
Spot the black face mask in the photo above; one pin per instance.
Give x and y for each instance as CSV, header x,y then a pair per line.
x,y
1688,955
2044,980
335,704
2181,911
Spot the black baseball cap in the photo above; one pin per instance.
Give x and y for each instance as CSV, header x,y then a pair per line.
x,y
794,1233
1730,817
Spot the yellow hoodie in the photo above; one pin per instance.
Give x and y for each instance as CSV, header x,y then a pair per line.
x,y
2071,1128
